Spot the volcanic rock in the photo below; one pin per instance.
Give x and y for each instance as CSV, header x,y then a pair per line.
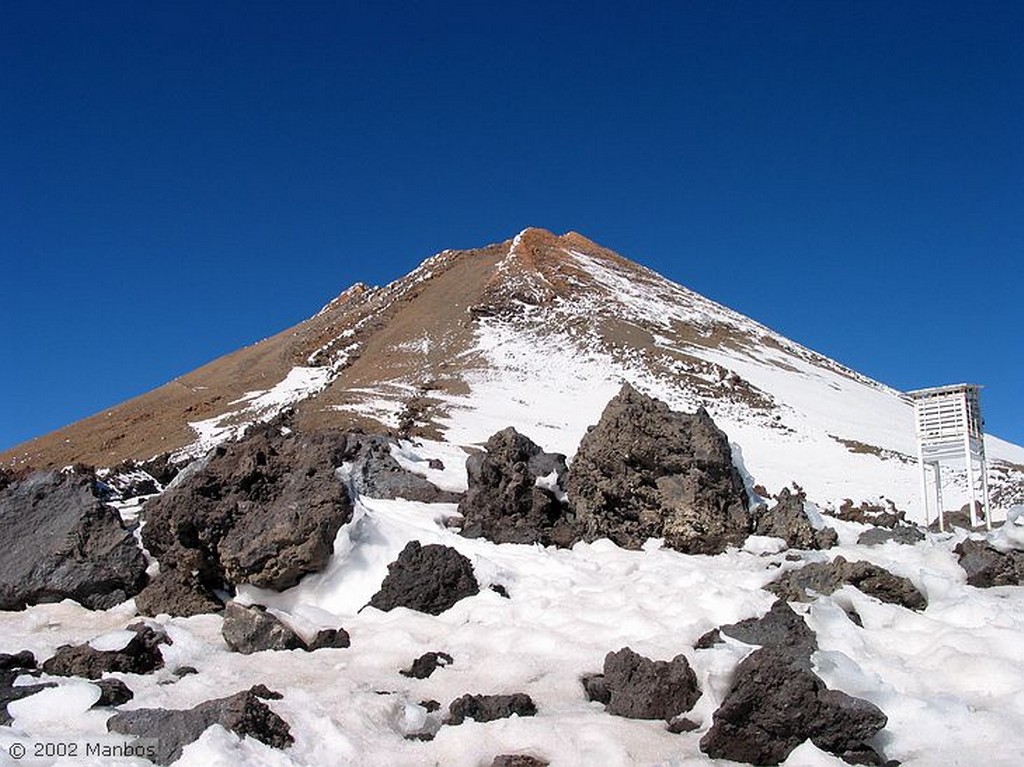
x,y
60,541
904,534
640,688
986,567
427,664
787,520
777,702
140,656
373,471
518,760
253,629
780,627
264,510
515,494
428,578
886,515
486,708
175,592
826,577
19,660
645,471
243,713
113,692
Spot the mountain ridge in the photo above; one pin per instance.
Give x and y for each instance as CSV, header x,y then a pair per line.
x,y
553,321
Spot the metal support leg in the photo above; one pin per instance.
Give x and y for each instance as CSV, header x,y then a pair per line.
x,y
938,491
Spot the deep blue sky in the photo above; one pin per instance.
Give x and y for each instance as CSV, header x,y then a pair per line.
x,y
180,179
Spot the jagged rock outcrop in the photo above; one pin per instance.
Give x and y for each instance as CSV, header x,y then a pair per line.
x,y
428,578
987,567
826,577
645,471
516,493
264,510
776,701
253,629
878,514
787,520
427,664
141,655
640,688
243,713
373,471
60,541
487,708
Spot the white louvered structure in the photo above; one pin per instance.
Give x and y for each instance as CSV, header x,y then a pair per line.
x,y
950,431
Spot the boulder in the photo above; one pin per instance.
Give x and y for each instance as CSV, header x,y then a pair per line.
x,y
243,713
264,510
516,493
640,688
253,629
427,664
113,692
787,520
373,471
60,541
987,567
486,708
140,656
428,578
645,471
175,592
776,702
826,577
518,760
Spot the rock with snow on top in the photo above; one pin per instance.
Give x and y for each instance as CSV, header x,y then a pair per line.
x,y
515,493
645,471
374,472
987,567
243,713
140,655
486,708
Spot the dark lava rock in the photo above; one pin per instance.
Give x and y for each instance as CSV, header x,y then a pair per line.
x,y
640,688
787,520
872,514
251,629
486,708
329,639
780,627
500,590
596,689
19,660
60,541
682,724
264,510
243,713
427,664
375,472
518,760
505,504
430,705
986,567
826,577
905,534
113,692
175,592
645,471
140,656
428,578
777,702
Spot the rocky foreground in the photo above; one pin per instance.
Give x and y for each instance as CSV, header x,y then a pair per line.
x,y
263,517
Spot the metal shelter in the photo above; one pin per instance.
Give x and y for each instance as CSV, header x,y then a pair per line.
x,y
949,431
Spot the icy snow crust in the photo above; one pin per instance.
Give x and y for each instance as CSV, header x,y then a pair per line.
x,y
951,679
